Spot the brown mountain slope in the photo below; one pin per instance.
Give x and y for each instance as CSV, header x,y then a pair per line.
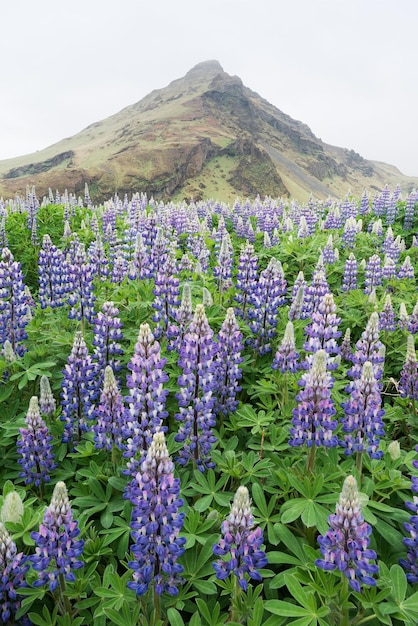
x,y
204,135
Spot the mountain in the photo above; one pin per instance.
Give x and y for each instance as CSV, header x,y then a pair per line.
x,y
204,135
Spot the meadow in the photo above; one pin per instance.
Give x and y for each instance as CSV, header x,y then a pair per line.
x,y
209,411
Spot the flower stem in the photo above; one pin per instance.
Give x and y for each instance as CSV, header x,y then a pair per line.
x,y
311,458
157,607
344,601
67,605
234,609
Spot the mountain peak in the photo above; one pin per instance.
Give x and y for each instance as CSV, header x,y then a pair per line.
x,y
206,67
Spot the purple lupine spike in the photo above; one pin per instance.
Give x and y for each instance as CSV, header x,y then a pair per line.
x,y
314,293
167,295
411,203
52,275
227,363
35,448
407,269
323,332
80,278
345,348
286,358
410,564
146,402
107,349
156,523
345,545
58,548
241,541
47,402
223,270
364,203
184,315
350,274
13,303
387,320
389,268
77,391
297,304
109,414
373,273
299,282
408,384
98,259
312,421
196,399
413,320
362,421
368,348
403,319
268,296
140,257
120,268
13,567
247,277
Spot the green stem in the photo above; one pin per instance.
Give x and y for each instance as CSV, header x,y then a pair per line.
x,y
311,458
67,605
157,608
359,466
234,609
344,597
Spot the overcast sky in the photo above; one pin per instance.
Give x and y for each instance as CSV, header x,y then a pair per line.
x,y
346,68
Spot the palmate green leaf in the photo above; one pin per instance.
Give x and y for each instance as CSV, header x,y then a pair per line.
x,y
286,609
301,595
174,617
292,509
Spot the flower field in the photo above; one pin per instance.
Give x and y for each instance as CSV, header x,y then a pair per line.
x,y
209,412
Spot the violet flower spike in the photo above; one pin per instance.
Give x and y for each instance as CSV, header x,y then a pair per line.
x,y
13,567
35,448
156,523
58,548
345,545
241,543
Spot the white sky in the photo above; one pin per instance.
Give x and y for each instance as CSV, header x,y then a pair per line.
x,y
346,68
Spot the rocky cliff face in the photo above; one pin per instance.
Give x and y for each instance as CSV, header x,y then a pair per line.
x,y
205,134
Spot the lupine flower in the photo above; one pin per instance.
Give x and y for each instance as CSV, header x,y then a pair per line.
x,y
345,348
8,353
387,316
408,384
362,421
403,320
286,357
312,421
373,273
407,269
80,280
77,391
184,315
227,363
410,564
368,348
35,449
223,270
156,523
345,545
196,399
167,295
299,282
57,545
13,304
323,331
314,293
12,509
110,414
247,277
389,268
296,307
413,320
269,295
350,274
13,567
107,349
147,397
240,543
52,275
47,402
